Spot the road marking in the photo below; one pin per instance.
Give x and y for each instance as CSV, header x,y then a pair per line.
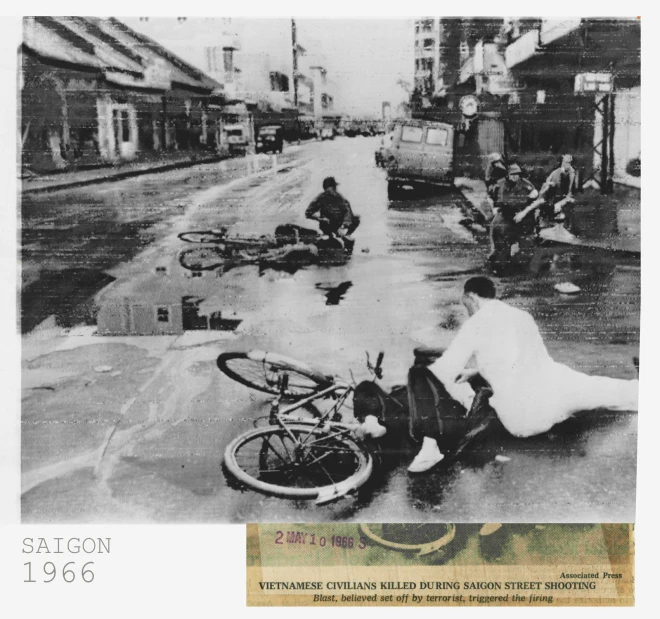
x,y
125,408
34,478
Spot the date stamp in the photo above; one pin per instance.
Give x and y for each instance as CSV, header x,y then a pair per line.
x,y
44,568
312,539
50,571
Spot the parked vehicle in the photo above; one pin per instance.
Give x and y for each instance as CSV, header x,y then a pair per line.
x,y
270,139
422,152
384,152
237,139
327,133
352,129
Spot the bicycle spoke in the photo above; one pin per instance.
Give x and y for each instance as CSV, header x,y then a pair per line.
x,y
288,453
317,461
275,450
332,481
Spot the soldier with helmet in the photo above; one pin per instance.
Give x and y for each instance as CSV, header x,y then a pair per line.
x,y
495,172
511,196
333,212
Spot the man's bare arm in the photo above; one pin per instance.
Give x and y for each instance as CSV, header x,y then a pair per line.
x,y
450,367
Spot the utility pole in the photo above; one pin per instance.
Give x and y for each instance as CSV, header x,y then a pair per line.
x,y
294,46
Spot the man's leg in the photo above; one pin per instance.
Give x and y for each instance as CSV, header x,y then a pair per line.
x,y
440,421
328,228
584,392
426,425
355,222
502,238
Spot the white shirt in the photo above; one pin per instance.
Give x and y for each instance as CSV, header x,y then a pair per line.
x,y
531,391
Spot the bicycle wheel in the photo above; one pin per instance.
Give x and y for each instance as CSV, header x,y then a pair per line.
x,y
264,371
421,538
202,258
203,236
299,461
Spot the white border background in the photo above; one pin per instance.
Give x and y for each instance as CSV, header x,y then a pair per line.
x,y
199,570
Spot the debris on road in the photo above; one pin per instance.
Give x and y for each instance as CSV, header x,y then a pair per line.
x,y
103,368
567,288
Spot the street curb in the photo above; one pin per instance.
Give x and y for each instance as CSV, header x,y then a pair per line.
x,y
123,175
128,174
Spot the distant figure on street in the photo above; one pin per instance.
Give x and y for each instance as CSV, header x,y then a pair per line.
x,y
529,391
333,212
510,195
556,193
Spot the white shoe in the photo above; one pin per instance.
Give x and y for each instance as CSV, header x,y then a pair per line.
x,y
371,427
427,458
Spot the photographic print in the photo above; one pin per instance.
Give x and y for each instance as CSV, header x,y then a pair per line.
x,y
329,270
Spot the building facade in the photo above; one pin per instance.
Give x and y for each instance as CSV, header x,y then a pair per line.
x,y
544,87
253,59
94,92
578,87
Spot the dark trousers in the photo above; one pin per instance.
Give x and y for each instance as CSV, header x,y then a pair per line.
x,y
434,413
504,233
331,228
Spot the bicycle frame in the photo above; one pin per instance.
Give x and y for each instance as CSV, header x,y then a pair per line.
x,y
282,417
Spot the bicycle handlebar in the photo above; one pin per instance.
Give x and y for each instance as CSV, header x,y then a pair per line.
x,y
377,369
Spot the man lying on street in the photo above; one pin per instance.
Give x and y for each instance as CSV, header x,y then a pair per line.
x,y
529,392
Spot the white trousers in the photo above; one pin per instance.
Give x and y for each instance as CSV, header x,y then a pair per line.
x,y
532,403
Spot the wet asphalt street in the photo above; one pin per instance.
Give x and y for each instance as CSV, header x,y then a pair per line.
x,y
132,429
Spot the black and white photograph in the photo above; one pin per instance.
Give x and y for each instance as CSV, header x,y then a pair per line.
x,y
314,270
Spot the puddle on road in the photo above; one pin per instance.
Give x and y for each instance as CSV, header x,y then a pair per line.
x,y
139,317
66,295
606,308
